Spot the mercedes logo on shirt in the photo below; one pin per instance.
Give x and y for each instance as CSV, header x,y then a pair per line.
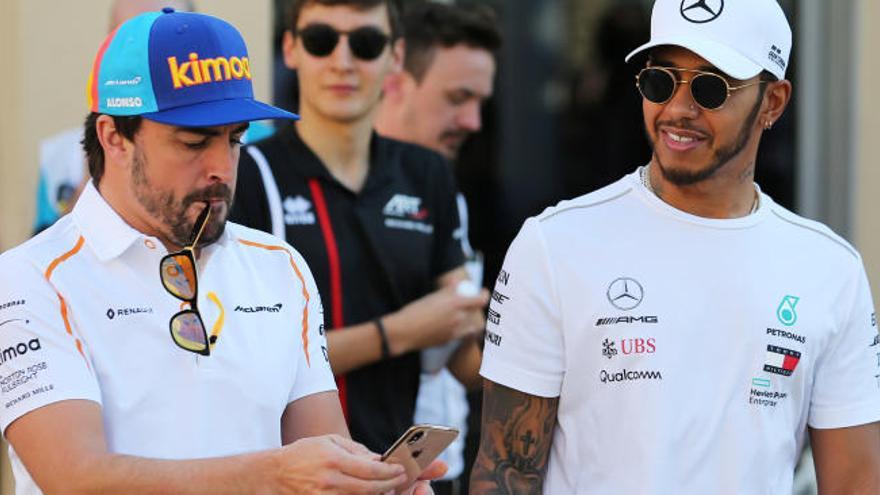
x,y
701,11
625,293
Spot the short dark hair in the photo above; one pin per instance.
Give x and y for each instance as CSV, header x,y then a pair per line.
x,y
296,6
429,25
127,126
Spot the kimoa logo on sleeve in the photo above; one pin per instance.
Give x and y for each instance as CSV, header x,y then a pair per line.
x,y
202,71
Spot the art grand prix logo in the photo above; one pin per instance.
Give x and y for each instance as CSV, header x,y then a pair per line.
x,y
625,293
701,11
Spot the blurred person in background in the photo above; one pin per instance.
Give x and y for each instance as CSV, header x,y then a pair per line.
x,y
436,101
63,169
679,331
149,345
374,217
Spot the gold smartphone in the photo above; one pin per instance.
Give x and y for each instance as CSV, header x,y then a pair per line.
x,y
418,447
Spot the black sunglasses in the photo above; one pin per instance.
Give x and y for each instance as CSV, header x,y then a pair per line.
x,y
709,90
178,273
366,43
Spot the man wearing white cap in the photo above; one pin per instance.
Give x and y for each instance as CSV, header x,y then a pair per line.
x,y
678,331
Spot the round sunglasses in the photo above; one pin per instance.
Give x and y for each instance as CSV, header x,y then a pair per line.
x,y
709,90
366,43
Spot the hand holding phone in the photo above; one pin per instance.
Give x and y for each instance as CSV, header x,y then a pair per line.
x,y
418,447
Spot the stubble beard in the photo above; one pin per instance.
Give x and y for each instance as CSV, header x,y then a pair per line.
x,y
171,213
720,158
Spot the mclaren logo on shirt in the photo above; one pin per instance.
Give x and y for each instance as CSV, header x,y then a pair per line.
x,y
259,309
406,213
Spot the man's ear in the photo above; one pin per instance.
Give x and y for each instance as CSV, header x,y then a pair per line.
x,y
776,99
398,51
392,87
117,149
288,49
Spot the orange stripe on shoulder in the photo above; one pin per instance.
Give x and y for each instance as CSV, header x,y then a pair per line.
x,y
64,257
305,292
63,304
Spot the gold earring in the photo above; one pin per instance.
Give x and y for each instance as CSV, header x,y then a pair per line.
x,y
768,125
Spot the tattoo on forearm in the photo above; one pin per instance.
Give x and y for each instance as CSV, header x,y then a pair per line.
x,y
515,442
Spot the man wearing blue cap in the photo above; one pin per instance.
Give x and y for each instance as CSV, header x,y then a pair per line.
x,y
678,331
147,345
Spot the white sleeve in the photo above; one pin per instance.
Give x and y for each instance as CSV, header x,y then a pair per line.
x,y
313,372
42,359
524,344
846,390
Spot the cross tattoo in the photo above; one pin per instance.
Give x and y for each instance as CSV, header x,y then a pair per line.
x,y
528,440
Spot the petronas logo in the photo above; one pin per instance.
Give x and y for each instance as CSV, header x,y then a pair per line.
x,y
785,312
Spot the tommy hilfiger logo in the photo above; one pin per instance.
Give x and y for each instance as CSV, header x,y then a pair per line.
x,y
259,309
297,211
781,361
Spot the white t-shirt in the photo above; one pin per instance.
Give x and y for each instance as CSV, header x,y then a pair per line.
x,y
688,354
83,315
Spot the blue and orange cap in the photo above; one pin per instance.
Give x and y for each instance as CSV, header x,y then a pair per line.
x,y
177,68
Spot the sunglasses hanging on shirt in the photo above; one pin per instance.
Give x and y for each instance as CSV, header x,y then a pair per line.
x,y
366,43
709,90
178,274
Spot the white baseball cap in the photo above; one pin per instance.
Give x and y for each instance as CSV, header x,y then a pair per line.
x,y
739,37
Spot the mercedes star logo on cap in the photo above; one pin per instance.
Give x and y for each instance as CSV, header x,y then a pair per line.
x,y
700,11
625,293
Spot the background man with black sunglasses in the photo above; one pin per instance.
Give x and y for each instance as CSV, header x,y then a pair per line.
x,y
678,331
374,217
96,396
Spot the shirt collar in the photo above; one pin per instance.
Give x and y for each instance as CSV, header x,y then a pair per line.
x,y
309,165
104,230
108,235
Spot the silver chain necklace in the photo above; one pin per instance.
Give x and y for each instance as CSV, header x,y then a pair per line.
x,y
646,181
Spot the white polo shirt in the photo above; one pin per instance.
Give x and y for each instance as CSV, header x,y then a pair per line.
x,y
83,315
688,354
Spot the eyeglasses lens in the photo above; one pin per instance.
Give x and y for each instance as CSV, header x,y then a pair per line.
x,y
709,91
188,331
656,85
179,276
319,39
367,43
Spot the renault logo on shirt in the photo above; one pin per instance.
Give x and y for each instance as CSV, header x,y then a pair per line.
x,y
625,293
701,11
